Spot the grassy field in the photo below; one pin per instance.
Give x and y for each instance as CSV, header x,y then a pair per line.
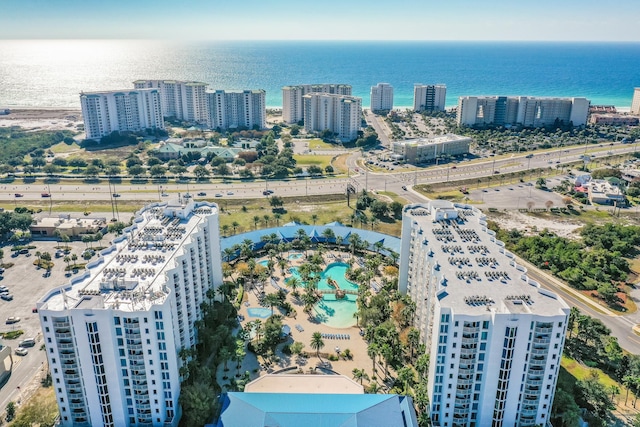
x,y
312,159
580,372
63,147
340,164
40,409
318,144
299,209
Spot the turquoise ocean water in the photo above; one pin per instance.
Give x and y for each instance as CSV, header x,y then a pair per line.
x,y
52,73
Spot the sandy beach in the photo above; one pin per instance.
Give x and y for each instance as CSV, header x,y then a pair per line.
x,y
43,119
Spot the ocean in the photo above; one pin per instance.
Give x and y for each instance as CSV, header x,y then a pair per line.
x,y
51,73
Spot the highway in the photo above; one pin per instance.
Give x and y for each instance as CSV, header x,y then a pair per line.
x,y
378,181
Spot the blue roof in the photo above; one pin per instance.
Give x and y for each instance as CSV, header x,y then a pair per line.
x,y
318,410
289,232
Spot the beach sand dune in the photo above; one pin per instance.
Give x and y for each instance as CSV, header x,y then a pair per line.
x,y
42,118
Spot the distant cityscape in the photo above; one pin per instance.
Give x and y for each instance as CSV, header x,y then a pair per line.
x,y
318,107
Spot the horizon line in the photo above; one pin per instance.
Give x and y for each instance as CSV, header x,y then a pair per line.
x,y
315,40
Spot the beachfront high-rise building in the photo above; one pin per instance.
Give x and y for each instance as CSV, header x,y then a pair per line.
x,y
120,110
113,334
635,102
429,97
521,110
292,102
382,97
233,109
340,114
180,99
494,336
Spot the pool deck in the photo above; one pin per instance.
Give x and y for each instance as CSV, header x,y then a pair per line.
x,y
356,344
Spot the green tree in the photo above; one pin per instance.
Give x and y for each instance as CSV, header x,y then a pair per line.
x,y
359,375
11,411
317,343
197,401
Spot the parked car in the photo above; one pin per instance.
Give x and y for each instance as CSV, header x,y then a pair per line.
x,y
218,194
404,187
202,194
21,351
116,195
18,194
45,195
229,193
11,320
29,342
4,289
7,297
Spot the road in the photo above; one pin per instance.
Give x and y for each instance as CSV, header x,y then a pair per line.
x,y
390,181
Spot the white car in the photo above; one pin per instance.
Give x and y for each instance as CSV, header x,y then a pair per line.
x,y
21,351
11,320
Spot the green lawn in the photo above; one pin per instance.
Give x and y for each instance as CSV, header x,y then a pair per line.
x,y
62,147
312,159
580,372
318,144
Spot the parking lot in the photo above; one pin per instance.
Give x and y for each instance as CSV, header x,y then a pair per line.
x,y
523,195
27,283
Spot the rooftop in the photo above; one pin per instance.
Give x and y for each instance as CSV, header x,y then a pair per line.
x,y
435,140
298,383
130,274
318,410
476,273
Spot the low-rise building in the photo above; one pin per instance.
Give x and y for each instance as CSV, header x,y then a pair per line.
x,y
293,400
602,192
614,119
65,225
428,149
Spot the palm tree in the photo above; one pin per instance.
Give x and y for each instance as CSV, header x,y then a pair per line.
x,y
317,343
328,235
406,377
413,339
272,300
225,229
235,225
294,283
38,255
277,217
355,242
373,388
314,218
359,375
228,253
266,219
373,350
67,259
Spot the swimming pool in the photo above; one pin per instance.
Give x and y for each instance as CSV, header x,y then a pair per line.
x,y
261,312
294,256
264,263
337,313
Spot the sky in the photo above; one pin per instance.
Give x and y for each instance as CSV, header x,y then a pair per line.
x,y
508,20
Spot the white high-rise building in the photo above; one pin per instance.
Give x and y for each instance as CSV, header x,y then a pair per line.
x,y
292,102
180,99
635,102
521,110
429,97
340,114
382,97
113,334
494,336
232,109
120,110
